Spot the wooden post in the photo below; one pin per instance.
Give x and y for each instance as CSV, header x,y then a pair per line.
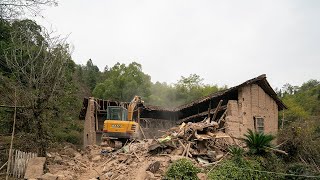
x,y
216,110
282,121
209,109
12,135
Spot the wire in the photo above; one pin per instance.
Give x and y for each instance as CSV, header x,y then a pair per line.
x,y
278,173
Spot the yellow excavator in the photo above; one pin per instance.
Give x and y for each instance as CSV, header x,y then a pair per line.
x,y
122,124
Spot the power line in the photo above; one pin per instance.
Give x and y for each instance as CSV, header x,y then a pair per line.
x,y
278,173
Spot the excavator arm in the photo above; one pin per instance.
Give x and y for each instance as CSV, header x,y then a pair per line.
x,y
135,101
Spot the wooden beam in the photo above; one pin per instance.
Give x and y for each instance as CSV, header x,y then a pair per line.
x,y
200,114
216,111
7,106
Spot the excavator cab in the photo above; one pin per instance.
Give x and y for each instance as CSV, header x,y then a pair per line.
x,y
117,113
117,128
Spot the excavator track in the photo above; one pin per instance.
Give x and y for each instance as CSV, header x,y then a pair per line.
x,y
111,142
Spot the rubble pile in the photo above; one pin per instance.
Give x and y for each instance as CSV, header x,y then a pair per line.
x,y
203,141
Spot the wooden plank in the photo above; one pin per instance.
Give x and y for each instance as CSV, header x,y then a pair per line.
x,y
216,111
222,117
187,119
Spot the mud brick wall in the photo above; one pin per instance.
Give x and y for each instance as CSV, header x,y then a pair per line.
x,y
252,102
89,132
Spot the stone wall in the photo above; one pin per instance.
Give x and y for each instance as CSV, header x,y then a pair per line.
x,y
252,102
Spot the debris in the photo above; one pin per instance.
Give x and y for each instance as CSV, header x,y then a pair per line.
x,y
35,168
202,161
202,139
125,149
4,165
58,159
163,140
150,176
136,156
219,156
202,176
204,143
96,158
175,158
154,167
49,176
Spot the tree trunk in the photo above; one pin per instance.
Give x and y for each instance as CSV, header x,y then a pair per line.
x,y
41,139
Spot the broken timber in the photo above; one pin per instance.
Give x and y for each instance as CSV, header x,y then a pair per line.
x,y
201,114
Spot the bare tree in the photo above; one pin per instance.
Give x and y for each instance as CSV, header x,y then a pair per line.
x,y
13,8
38,68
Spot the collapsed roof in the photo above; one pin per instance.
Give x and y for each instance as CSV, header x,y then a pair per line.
x,y
197,109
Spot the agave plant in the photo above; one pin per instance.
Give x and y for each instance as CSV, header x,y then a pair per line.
x,y
257,143
236,151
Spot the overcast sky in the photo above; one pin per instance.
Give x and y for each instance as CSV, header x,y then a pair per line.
x,y
225,42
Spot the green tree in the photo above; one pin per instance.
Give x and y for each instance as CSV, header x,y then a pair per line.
x,y
37,63
91,74
192,87
124,82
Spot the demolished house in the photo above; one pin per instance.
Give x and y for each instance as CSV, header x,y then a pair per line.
x,y
250,105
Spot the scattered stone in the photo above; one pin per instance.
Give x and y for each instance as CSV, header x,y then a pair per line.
x,y
96,158
49,176
150,176
175,158
69,151
202,161
49,155
121,177
219,156
61,177
202,176
108,174
154,167
58,159
212,154
77,155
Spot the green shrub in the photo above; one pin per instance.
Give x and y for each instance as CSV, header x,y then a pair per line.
x,y
236,151
299,169
257,142
71,136
182,169
244,169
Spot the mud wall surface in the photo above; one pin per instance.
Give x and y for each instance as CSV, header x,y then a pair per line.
x,y
89,132
252,102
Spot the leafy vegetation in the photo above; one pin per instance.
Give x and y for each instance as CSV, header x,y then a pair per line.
x,y
182,169
244,169
258,142
236,152
123,83
50,87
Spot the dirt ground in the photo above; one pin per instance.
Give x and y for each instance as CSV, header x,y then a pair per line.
x,y
97,162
